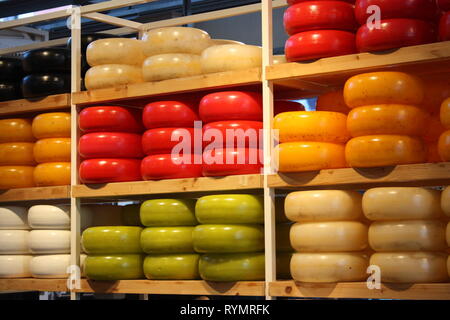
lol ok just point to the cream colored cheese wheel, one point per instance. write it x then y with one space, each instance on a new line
407 235
229 57
52 266
115 51
323 205
329 267
13 218
403 203
49 217
112 75
337 236
445 201
15 266
411 267
171 66
49 241
14 242
279 59
175 40
216 42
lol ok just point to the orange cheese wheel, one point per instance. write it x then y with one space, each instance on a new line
444 146
52 174
445 113
16 177
52 150
433 129
171 66
115 51
320 126
445 202
383 88
16 153
15 130
310 156
332 101
52 125
112 75
433 152
437 89
384 150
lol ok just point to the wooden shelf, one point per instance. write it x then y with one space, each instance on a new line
32 284
37 193
49 103
359 290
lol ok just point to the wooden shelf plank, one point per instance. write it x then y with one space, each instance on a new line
359 290
32 284
38 193
54 102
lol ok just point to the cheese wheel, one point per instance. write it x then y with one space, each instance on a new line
112 75
223 238
15 130
283 242
228 57
383 88
329 267
171 166
13 218
114 267
115 51
112 240
445 113
110 170
110 118
167 240
401 203
164 140
52 174
216 42
16 153
16 177
52 266
310 156
110 145
51 125
49 241
414 235
384 150
337 236
168 212
14 266
234 134
231 161
232 267
279 59
411 267
332 101
166 114
444 146
14 242
52 150
170 66
323 205
49 217
175 40
445 201
172 266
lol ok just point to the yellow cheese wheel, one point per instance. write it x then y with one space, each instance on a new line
384 150
52 174
445 201
320 126
310 156
15 130
411 267
332 101
329 267
12 177
445 113
115 51
216 42
171 66
383 88
16 153
323 205
444 146
15 266
112 75
336 236
52 125
228 57
279 59
52 150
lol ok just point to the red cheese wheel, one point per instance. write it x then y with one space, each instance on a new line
444 5
444 27
292 2
110 118
280 106
318 44
167 166
165 114
237 134
163 140
110 145
242 161
110 170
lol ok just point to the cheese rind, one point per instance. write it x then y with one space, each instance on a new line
15 130
52 174
50 266
167 240
49 241
13 218
17 154
16 177
229 57
52 150
114 267
51 125
112 240
171 266
232 267
54 217
14 242
112 75
115 51
15 266
168 212
170 66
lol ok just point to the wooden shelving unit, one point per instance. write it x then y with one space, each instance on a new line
45 104
37 193
32 284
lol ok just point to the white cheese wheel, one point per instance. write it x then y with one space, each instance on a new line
229 57
407 235
49 241
112 75
115 51
14 242
323 205
175 40
15 266
404 203
411 267
338 236
329 267
171 66
279 59
445 201
216 42
13 218
49 217
52 266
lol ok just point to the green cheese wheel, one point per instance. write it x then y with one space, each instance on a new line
232 267
131 215
167 240
172 266
114 267
112 240
168 212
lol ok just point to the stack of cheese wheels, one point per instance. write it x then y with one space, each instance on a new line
445 205
173 52
16 154
168 239
332 101
329 236
311 140
403 23
52 150
11 74
114 62
113 253
408 234
14 250
110 145
319 29
229 57
169 141
386 122
230 237
444 140
231 134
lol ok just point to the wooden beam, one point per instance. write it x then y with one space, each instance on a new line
38 193
38 18
110 5
115 21
53 102
32 284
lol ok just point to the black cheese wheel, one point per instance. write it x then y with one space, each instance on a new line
10 69
46 60
38 85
